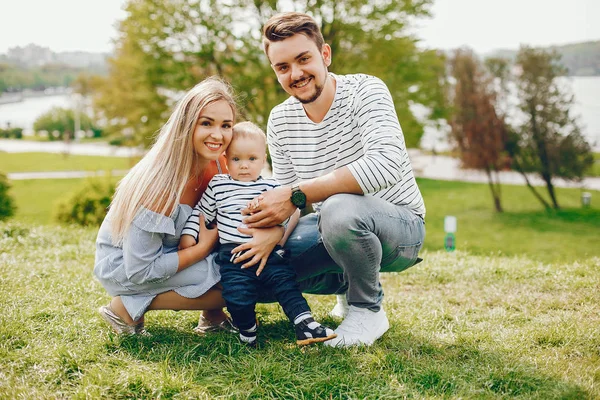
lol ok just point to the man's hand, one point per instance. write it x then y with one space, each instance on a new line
269 209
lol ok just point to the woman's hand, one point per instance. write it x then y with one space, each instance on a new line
205 235
258 249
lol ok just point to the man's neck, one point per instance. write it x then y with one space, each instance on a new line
318 109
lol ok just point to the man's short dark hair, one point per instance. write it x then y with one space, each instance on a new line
282 26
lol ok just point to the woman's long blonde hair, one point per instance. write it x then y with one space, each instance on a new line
158 180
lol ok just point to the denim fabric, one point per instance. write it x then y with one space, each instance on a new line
241 287
357 236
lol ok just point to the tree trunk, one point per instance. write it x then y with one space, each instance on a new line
544 160
495 189
551 192
498 197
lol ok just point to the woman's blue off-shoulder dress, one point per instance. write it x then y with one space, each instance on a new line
146 264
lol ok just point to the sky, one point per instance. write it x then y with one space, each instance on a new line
486 25
61 25
483 25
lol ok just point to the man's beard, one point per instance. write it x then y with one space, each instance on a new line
315 96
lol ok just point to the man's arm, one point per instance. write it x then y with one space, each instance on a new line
275 206
339 181
384 159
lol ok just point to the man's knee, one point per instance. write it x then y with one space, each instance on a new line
339 213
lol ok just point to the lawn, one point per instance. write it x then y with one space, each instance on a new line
513 313
572 233
462 326
35 198
525 228
34 162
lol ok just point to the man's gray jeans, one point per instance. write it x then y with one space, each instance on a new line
353 238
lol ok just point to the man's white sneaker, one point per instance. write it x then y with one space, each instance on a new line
361 327
341 307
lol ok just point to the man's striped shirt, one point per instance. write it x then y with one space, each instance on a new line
223 200
360 131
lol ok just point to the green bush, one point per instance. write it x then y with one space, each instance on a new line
7 204
117 141
86 206
62 120
16 133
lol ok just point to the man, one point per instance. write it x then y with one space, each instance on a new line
337 143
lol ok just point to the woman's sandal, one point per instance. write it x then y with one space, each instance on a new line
120 326
205 326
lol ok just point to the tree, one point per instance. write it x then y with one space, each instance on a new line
166 47
62 120
548 141
86 84
477 129
500 69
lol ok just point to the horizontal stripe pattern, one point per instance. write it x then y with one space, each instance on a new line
223 200
360 131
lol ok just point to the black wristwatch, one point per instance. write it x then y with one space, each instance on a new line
298 197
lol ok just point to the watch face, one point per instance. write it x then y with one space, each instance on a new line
298 199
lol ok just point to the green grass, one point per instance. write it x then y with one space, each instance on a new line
34 162
462 326
524 228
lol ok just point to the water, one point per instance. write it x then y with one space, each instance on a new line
23 114
585 89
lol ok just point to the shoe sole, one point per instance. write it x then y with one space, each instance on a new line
306 342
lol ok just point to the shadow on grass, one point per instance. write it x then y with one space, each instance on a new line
401 364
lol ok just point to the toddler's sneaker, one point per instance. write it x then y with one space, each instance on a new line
309 331
361 327
248 336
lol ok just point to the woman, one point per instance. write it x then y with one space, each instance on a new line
137 256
